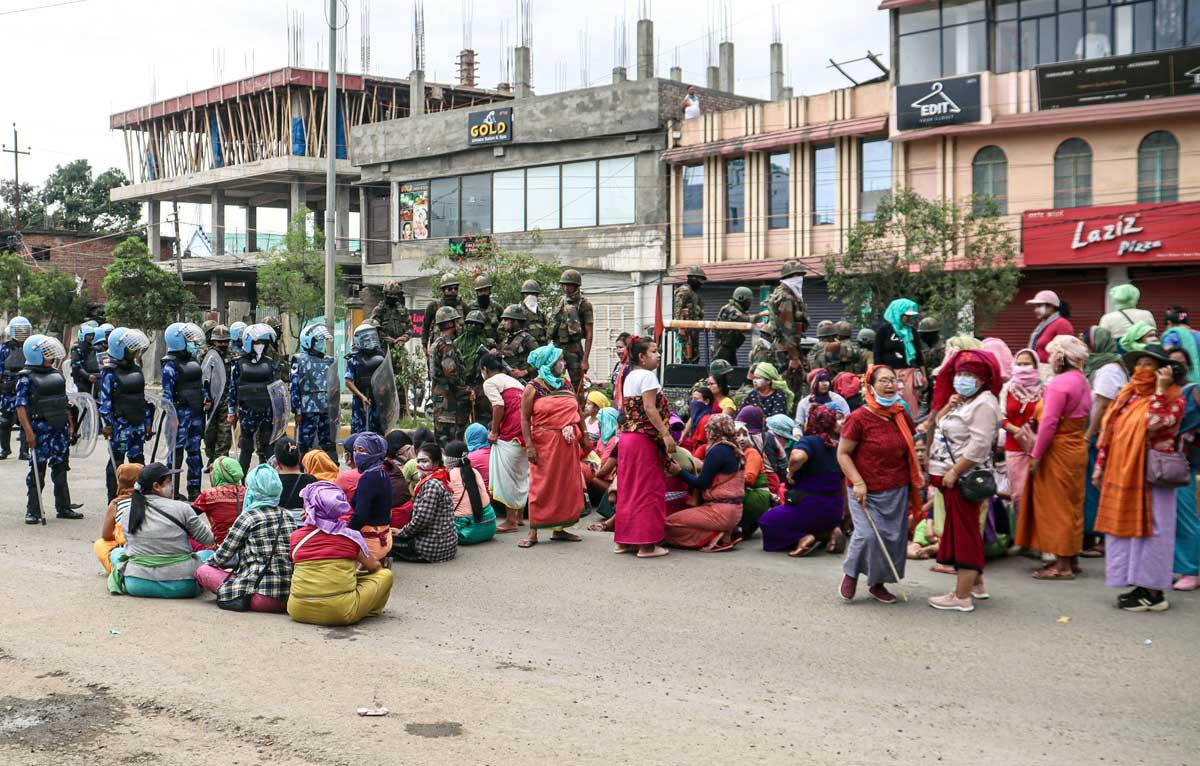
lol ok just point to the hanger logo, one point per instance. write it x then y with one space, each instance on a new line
936 103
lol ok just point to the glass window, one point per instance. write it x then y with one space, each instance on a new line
1006 9
443 207
1168 23
617 190
875 176
1046 47
920 59
1036 7
1143 27
1193 23
918 19
579 194
989 175
508 201
1007 47
693 200
1073 174
964 49
542 200
735 196
477 204
1158 168
778 186
1096 42
1070 29
824 184
962 11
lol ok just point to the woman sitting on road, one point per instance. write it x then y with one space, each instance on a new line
429 537
320 466
474 518
252 570
709 527
373 498
822 383
111 535
223 501
770 393
328 587
479 450
291 478
812 503
157 560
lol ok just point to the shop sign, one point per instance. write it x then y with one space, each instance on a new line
1139 77
1116 234
473 246
493 126
948 101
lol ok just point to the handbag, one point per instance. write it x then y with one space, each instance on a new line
1167 469
975 485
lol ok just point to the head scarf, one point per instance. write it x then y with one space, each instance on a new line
820 375
895 317
895 413
599 399
1003 354
822 421
319 465
1124 297
769 371
781 425
847 384
369 451
543 360
697 409
1132 339
263 488
325 508
608 424
1104 351
1026 383
411 474
127 476
752 417
399 446
467 344
1182 337
226 471
721 430
977 362
476 437
1068 348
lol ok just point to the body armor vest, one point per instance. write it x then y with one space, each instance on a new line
129 394
12 368
48 401
253 379
367 365
189 382
312 380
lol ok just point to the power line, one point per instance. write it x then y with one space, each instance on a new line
41 7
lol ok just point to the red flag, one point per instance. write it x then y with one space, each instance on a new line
658 318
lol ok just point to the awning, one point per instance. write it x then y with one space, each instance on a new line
824 131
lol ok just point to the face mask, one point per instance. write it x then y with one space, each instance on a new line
531 302
484 300
965 385
193 349
259 348
560 368
760 382
885 401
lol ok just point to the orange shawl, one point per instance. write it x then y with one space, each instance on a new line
895 413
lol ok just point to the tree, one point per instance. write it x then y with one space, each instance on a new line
53 300
33 211
79 202
140 293
507 269
958 263
14 276
293 278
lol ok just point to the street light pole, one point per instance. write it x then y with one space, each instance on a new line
331 169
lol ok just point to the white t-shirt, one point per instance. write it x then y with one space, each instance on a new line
495 386
693 107
639 381
1109 380
1118 322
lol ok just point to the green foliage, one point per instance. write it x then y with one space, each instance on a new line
14 274
77 201
52 300
943 255
140 293
411 373
293 278
33 211
508 271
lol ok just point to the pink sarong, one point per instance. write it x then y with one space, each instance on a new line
641 492
1017 463
556 481
698 527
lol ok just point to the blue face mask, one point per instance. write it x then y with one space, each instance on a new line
965 385
886 401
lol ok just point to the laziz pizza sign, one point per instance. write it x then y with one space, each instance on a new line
1114 234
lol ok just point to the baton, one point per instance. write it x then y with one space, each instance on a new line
887 556
37 482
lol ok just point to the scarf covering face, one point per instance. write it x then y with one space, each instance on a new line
1132 339
369 451
821 422
1104 351
543 359
781 425
820 376
599 399
608 424
1026 383
476 437
895 413
769 371
319 465
1067 348
1003 354
721 430
263 488
325 508
1182 337
1124 297
226 471
795 284
895 317
977 362
467 344
411 474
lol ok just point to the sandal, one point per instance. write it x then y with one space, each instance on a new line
722 547
1092 553
799 553
527 543
1053 573
503 530
624 549
565 537
595 527
658 551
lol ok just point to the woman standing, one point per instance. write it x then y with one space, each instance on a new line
553 431
812 503
1187 526
1019 402
430 535
709 527
645 443
1137 517
878 456
508 466
966 417
1052 316
1051 518
1107 376
771 393
896 347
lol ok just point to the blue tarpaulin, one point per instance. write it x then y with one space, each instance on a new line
214 127
299 145
341 133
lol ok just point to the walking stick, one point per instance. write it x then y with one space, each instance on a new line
879 538
37 482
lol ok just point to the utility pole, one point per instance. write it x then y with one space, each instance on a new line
331 170
16 152
178 249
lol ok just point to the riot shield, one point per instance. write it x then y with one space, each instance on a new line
87 423
66 372
213 374
165 428
333 386
384 397
281 409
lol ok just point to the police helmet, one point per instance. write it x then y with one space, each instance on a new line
176 340
235 332
19 328
85 329
314 337
43 351
126 343
257 333
366 336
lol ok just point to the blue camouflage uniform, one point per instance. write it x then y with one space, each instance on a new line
310 400
79 373
8 388
128 438
188 398
359 369
51 441
255 420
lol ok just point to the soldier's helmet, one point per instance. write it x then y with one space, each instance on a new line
767 330
476 317
743 296
697 272
514 311
866 336
929 324
531 287
220 332
446 314
394 289
448 280
274 323
825 330
793 269
842 329
571 277
719 367
483 282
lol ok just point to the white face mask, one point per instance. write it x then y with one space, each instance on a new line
531 302
259 348
760 382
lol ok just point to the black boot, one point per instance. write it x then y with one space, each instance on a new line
32 516
64 509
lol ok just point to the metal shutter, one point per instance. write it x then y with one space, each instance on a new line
1083 289
1164 288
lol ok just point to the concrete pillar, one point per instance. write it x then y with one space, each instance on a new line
645 49
154 228
677 74
1115 275
217 202
296 199
523 63
416 93
786 95
216 296
393 213
343 218
776 71
727 79
619 74
712 79
251 229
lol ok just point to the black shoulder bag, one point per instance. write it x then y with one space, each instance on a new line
975 485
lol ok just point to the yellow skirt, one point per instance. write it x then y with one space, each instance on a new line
332 592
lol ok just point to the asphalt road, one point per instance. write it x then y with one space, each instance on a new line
566 653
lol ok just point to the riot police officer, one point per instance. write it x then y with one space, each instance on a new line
486 306
249 400
183 386
127 416
12 357
446 378
572 327
689 306
361 364
92 366
235 339
516 342
535 318
218 436
310 391
449 289
734 310
42 409
80 350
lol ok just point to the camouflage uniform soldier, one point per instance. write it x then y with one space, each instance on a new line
572 326
449 287
786 311
42 409
825 335
283 365
471 344
933 350
853 357
689 306
535 319
735 310
446 373
763 350
485 306
866 341
392 318
218 436
516 342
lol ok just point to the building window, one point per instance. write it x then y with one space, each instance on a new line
543 200
735 196
40 252
942 41
444 207
616 191
824 184
874 176
579 194
989 177
1158 168
477 204
1073 174
778 187
693 200
508 201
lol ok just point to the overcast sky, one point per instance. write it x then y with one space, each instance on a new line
71 66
